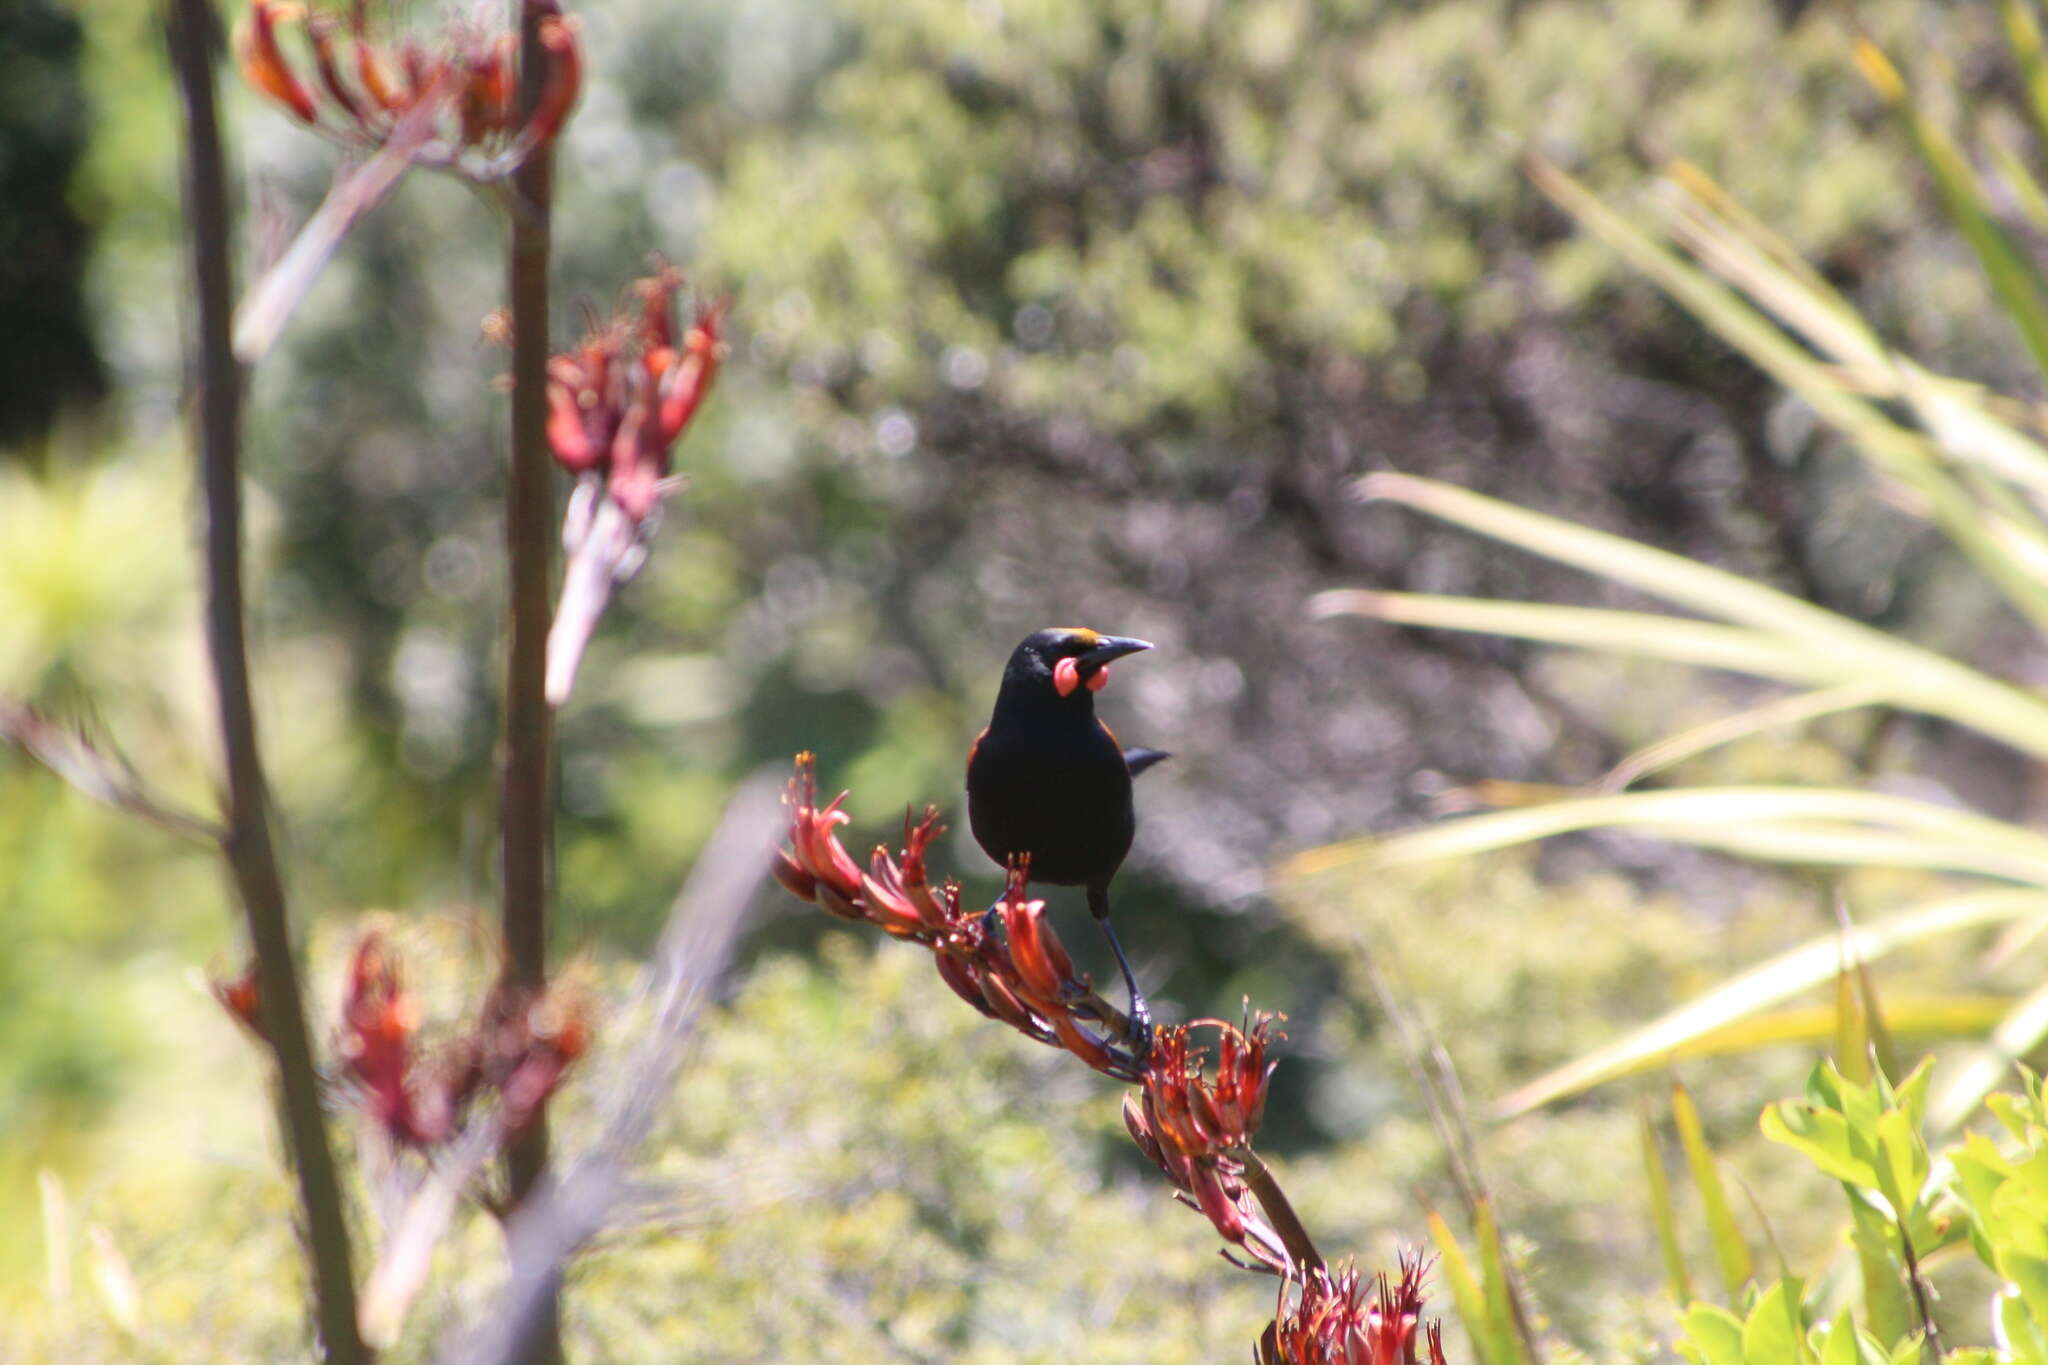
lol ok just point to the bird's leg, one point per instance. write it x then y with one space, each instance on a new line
1141 1013
992 924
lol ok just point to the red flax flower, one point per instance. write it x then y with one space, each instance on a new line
523 1044
1196 1124
1342 1319
378 1020
1199 1130
242 998
1008 963
617 405
454 104
519 1049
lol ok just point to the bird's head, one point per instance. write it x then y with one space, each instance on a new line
1066 661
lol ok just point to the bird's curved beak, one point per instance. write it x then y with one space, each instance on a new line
1110 647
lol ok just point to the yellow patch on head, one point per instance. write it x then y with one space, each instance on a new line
1080 634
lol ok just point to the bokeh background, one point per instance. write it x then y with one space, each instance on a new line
1044 312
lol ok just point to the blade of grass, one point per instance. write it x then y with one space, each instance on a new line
1492 1347
1731 1253
1877 1029
1903 455
2013 277
2011 942
1663 1213
1763 1222
1837 846
1921 679
1502 1312
2027 191
2017 1034
1795 824
1676 639
1708 194
2023 35
1852 1039
1782 713
1724 237
1731 244
1797 969
1963 421
1934 1018
1724 246
1678 580
1937 1018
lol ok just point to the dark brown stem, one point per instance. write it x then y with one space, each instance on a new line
246 842
1301 1249
524 805
1919 1290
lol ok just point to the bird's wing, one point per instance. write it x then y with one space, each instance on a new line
1138 758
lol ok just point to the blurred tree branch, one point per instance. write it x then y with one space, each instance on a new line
252 859
524 813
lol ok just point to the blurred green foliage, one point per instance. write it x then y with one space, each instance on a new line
859 1166
1044 311
1907 1207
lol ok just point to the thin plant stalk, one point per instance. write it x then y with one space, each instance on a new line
1301 1248
246 841
525 825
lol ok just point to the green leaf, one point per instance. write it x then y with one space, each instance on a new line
1715 1332
1886 1301
1663 1213
1731 1253
1774 1333
1911 1093
1842 1342
1970 1355
1823 1136
2022 1330
2029 1273
1902 1162
1838 1342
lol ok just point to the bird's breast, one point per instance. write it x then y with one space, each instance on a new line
1062 795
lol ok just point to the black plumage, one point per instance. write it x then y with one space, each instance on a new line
1047 778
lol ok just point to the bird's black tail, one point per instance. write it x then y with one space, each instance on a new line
1138 759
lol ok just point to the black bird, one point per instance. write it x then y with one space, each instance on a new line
1048 779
